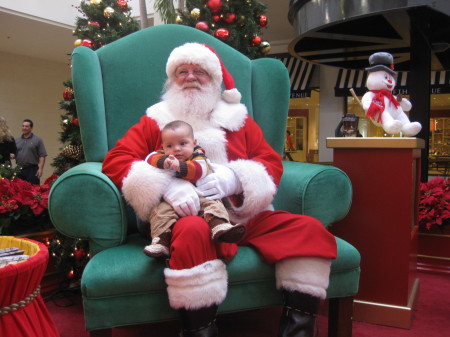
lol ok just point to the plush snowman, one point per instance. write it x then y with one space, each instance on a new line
380 105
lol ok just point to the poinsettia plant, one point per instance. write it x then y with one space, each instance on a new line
434 203
23 204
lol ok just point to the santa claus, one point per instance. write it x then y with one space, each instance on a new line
246 174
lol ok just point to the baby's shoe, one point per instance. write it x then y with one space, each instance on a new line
159 246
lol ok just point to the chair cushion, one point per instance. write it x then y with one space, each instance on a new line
124 277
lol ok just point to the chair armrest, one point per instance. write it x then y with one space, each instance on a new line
84 203
323 192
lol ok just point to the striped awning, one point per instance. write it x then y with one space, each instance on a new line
300 74
356 79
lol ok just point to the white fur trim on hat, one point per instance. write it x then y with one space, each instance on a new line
309 275
198 287
232 96
194 53
204 56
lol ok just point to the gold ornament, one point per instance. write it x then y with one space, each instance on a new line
195 13
95 2
108 12
77 42
265 47
242 21
178 19
73 151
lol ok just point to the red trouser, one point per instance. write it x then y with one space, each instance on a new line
276 235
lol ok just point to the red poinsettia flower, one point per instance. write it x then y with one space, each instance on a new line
39 201
434 202
17 193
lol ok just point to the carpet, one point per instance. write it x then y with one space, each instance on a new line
431 318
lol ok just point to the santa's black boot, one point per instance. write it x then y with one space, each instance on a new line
199 323
299 315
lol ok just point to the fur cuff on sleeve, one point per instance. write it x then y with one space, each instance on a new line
258 188
198 287
143 187
309 275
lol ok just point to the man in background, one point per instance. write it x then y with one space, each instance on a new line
31 154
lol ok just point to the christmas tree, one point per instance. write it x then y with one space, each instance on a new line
102 22
237 23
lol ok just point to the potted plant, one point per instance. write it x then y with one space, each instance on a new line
434 218
23 206
434 203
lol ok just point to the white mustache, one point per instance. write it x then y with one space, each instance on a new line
191 85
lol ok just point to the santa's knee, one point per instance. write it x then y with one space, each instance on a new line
190 227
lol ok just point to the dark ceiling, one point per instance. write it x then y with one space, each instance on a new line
349 43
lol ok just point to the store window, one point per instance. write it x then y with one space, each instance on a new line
303 125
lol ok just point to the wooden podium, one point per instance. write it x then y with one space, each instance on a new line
382 223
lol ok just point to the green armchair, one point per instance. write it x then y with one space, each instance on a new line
120 285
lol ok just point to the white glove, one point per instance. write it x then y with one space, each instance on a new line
182 196
221 183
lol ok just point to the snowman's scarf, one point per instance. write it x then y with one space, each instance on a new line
377 105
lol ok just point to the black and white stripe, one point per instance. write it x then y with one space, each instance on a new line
356 79
300 74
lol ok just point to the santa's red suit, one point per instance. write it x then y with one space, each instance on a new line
248 174
197 277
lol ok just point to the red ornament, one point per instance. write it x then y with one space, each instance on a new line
216 18
256 41
94 23
123 5
71 274
222 33
229 18
68 94
202 25
263 20
76 122
214 5
79 253
87 43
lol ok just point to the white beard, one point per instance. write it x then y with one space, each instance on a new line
193 106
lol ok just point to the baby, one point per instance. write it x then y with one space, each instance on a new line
181 154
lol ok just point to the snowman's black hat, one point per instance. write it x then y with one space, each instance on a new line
381 61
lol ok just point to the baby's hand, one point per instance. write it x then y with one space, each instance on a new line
172 163
167 163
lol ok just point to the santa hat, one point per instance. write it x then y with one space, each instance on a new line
204 56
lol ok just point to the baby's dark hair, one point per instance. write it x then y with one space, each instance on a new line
178 124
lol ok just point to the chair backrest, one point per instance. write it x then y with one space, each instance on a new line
115 84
